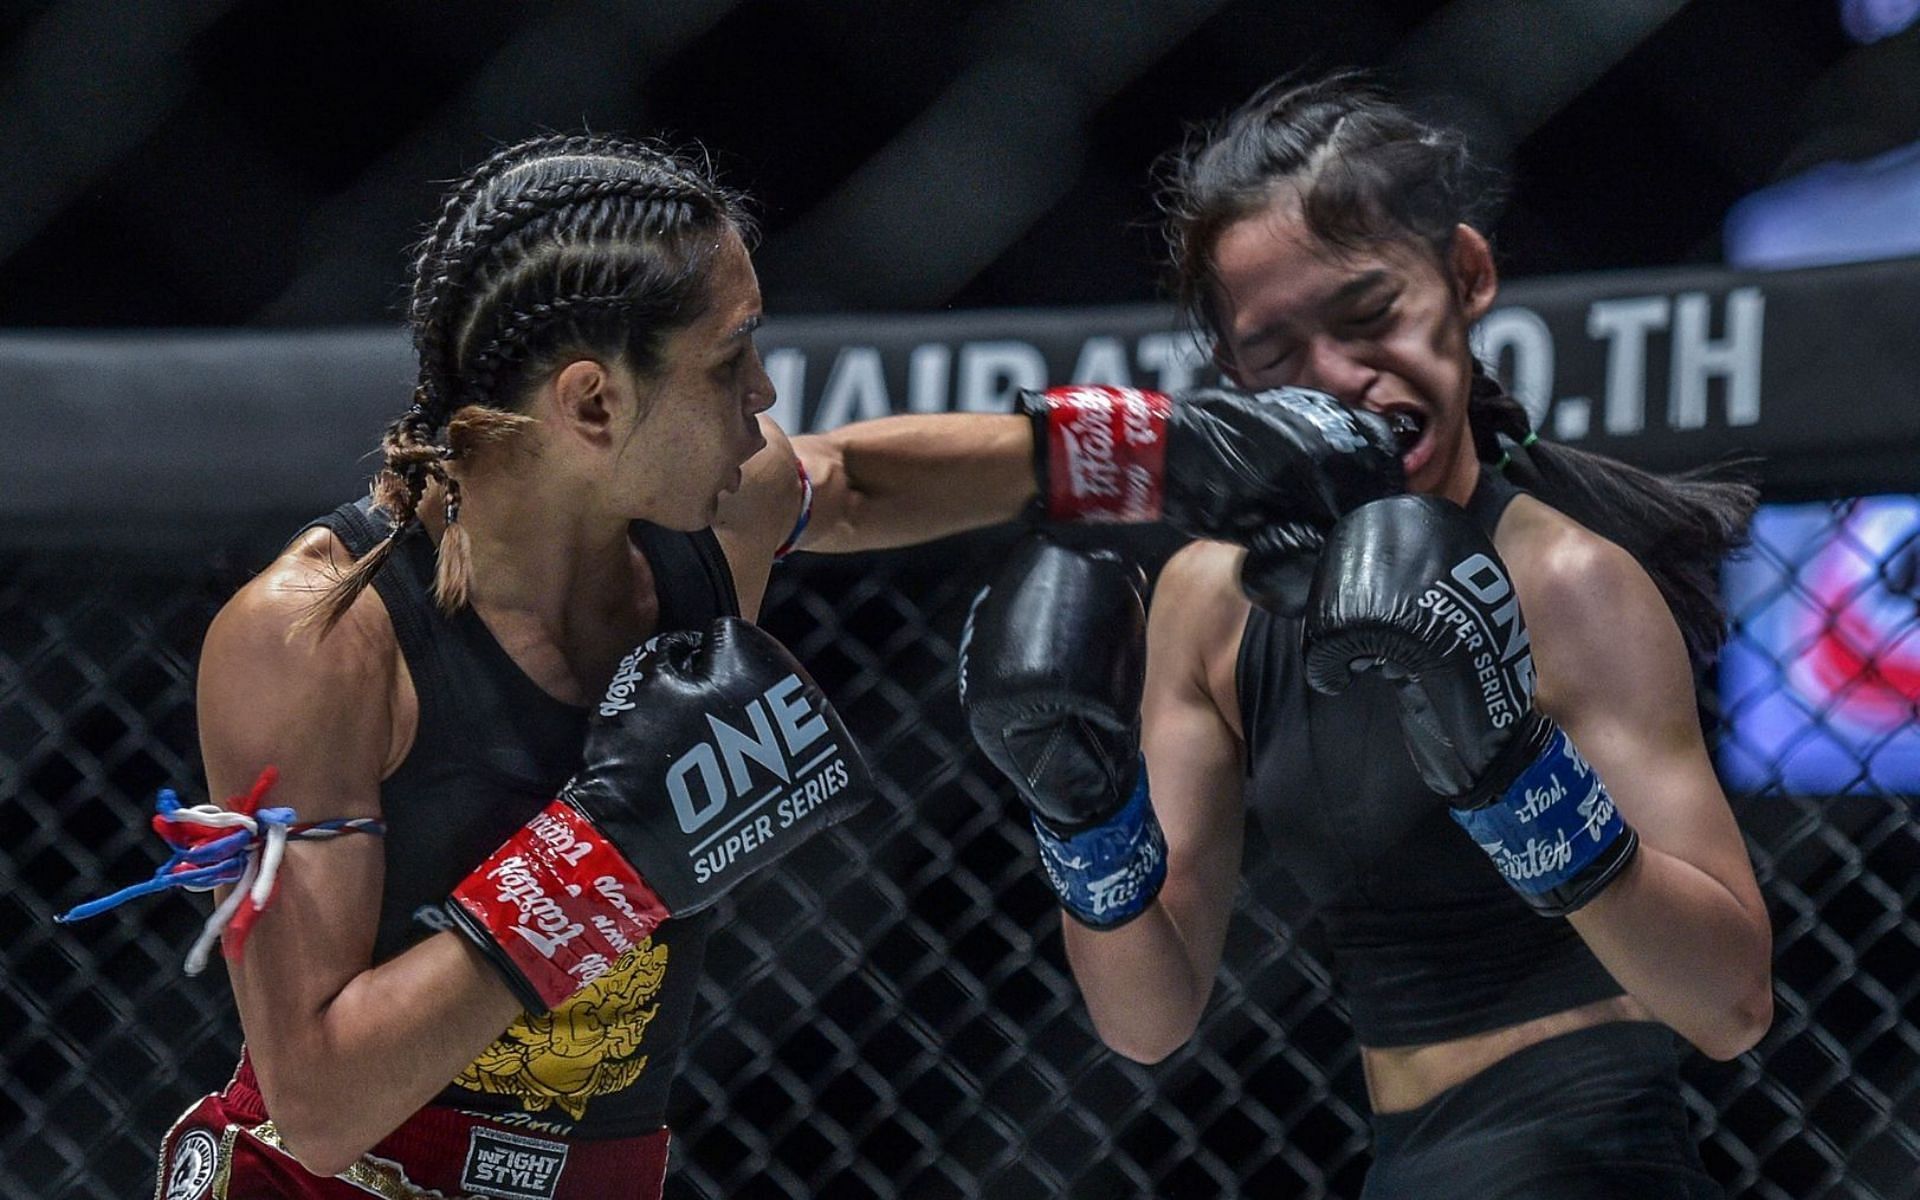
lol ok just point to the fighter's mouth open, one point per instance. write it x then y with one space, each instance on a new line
1406 428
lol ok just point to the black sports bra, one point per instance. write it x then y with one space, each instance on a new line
1427 941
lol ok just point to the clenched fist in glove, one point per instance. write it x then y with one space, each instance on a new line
1412 588
711 757
1268 470
1051 669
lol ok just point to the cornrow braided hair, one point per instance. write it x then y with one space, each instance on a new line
427 335
559 247
506 346
1368 171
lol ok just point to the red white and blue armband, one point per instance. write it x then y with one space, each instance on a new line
806 512
241 844
1555 834
1108 874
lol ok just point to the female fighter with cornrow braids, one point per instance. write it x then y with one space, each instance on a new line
519 654
529 656
1468 728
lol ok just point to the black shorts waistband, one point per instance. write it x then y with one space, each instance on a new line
1593 1113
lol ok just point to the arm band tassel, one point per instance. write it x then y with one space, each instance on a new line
243 844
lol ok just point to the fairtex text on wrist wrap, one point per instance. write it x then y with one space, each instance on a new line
561 904
1555 834
1108 874
1099 452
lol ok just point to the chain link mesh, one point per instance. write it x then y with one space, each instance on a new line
890 1014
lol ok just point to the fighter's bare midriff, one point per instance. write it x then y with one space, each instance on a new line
1400 1078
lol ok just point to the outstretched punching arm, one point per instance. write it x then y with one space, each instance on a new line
1212 462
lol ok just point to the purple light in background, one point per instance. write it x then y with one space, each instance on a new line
1870 20
1837 212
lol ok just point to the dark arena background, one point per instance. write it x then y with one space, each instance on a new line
204 206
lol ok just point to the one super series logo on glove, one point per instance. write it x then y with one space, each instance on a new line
1479 604
716 794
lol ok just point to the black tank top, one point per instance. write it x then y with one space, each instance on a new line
1427 941
492 749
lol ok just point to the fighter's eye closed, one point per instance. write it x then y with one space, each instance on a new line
1372 317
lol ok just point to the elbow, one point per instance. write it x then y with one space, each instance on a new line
322 1165
1753 1018
320 1146
1741 1027
1750 1015
1148 1045
1145 1051
314 1129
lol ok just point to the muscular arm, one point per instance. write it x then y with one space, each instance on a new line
345 1051
1147 982
1683 929
876 484
899 480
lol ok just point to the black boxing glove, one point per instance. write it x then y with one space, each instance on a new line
1410 587
1278 567
1213 462
1052 664
711 757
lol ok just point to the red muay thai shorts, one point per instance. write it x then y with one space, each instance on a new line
226 1148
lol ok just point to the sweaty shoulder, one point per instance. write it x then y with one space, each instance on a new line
271 692
1198 616
1588 603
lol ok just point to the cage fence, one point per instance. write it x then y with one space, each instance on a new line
889 1014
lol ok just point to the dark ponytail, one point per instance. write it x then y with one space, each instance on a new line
1679 527
1367 172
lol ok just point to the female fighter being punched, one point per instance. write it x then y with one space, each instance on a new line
1468 727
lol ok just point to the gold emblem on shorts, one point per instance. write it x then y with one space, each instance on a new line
587 1047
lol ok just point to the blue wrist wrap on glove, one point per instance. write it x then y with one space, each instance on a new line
1553 821
1107 875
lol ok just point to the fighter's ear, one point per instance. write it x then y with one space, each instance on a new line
580 396
1471 272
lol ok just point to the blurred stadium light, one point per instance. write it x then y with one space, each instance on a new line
239 161
552 70
65 126
996 150
1515 63
1838 212
1871 20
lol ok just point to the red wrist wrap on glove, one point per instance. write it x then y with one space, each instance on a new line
561 902
1106 451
